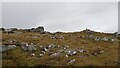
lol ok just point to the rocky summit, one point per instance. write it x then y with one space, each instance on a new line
36 47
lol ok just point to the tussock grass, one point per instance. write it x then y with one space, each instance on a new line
17 57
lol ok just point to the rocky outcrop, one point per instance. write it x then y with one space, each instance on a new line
38 29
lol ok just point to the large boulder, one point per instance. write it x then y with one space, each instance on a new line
40 29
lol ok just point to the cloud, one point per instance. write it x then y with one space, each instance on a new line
62 16
59 0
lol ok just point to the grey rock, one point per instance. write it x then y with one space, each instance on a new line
44 48
100 52
71 52
97 39
5 48
80 50
29 48
52 46
55 54
41 55
105 39
11 46
66 55
39 29
112 40
71 61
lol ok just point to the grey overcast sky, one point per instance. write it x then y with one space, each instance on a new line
61 16
59 0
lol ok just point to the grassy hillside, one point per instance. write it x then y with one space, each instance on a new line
107 55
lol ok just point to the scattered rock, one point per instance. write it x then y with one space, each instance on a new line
44 48
32 54
43 52
71 52
41 55
112 40
27 47
57 62
11 46
38 29
55 54
84 42
100 52
5 48
71 61
97 39
105 39
53 46
8 31
94 54
66 55
31 47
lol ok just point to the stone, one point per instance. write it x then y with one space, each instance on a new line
82 36
97 39
32 54
8 31
71 61
64 48
100 52
84 42
55 54
43 52
29 48
45 48
52 37
33 29
34 37
97 51
5 48
71 52
57 62
105 39
66 55
25 47
41 55
61 37
38 29
94 54
52 46
112 40
90 36
80 50
11 46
